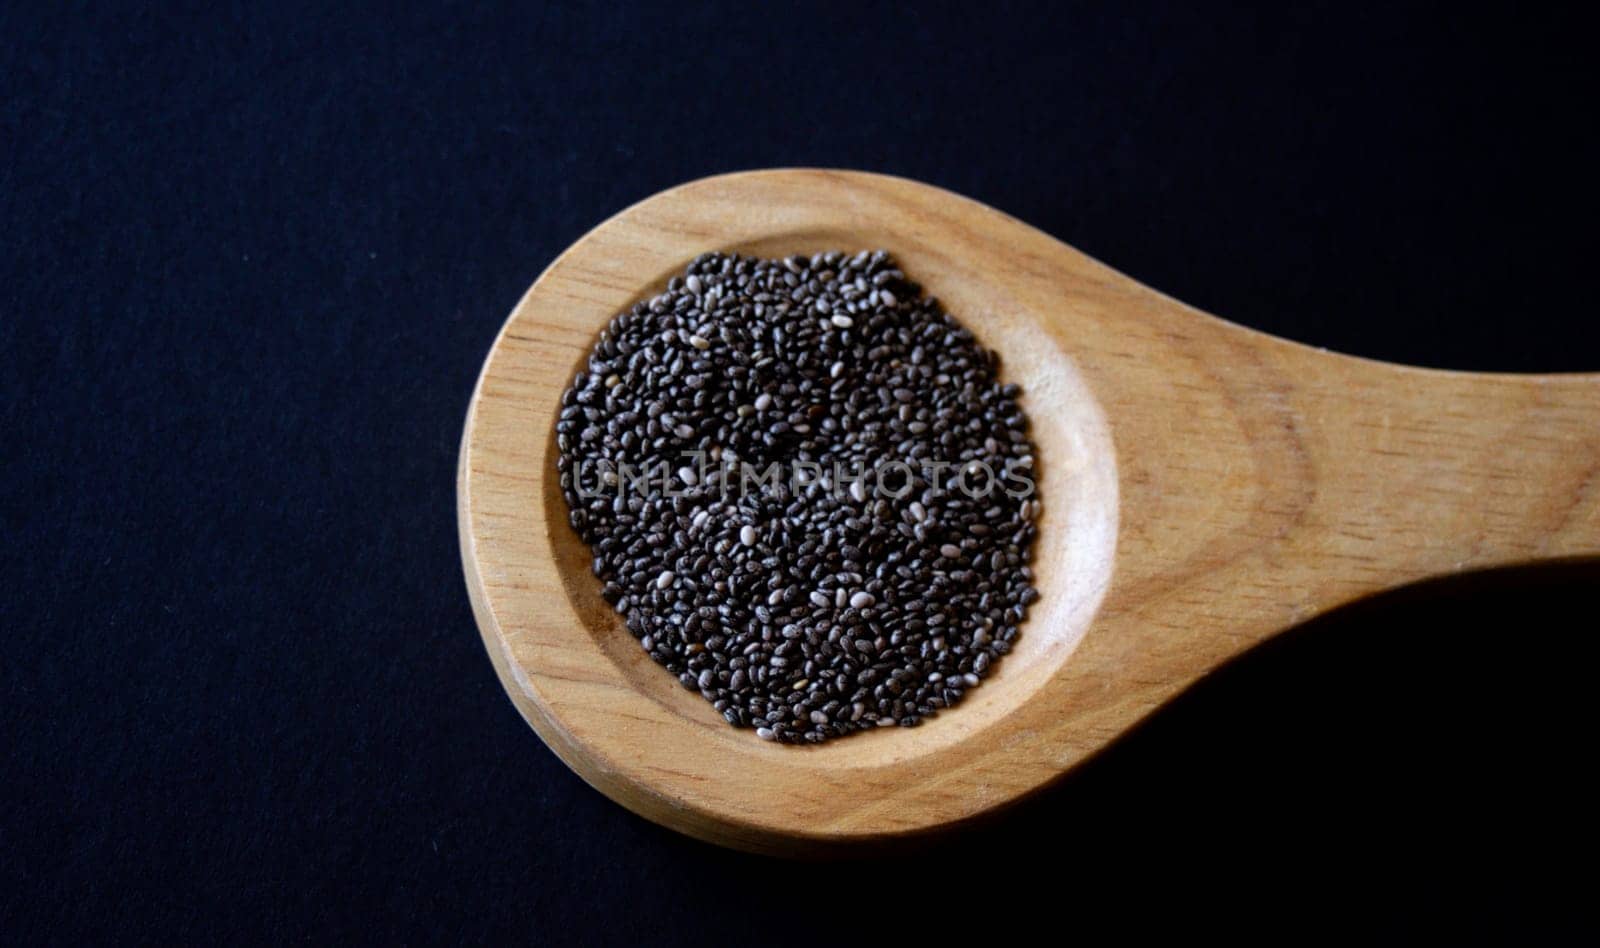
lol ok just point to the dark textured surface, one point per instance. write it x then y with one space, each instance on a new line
814 613
251 261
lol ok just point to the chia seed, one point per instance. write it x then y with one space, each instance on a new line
810 608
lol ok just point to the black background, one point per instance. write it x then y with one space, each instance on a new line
252 259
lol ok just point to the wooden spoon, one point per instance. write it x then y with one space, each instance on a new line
1205 487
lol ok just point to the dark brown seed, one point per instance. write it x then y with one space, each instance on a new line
857 608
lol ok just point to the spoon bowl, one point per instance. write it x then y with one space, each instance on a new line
1204 487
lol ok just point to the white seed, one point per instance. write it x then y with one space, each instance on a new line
763 402
747 535
843 321
699 342
665 579
858 493
613 380
862 600
918 512
688 476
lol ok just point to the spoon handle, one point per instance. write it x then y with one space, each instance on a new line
1314 480
1330 478
1427 472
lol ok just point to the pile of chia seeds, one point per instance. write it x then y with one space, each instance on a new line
806 491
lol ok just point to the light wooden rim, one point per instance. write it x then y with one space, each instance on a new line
622 722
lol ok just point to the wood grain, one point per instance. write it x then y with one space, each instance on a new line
1205 487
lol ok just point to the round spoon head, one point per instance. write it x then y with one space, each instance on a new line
1161 552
